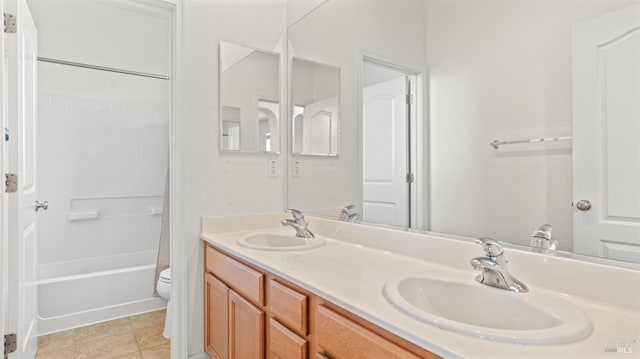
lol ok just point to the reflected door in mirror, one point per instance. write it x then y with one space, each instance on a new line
316 108
385 189
607 135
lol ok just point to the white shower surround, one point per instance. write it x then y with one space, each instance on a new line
104 174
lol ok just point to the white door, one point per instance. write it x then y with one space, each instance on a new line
384 167
4 234
22 161
320 127
606 121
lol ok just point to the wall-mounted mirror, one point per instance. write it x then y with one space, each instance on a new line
498 70
249 99
315 99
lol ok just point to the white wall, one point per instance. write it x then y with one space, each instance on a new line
221 183
501 69
106 33
334 34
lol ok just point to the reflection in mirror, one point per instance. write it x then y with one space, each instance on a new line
389 130
249 99
503 70
267 123
315 92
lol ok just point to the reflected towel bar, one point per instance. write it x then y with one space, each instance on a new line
496 144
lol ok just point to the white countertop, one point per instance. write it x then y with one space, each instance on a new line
352 275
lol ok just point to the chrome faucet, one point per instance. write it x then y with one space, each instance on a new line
298 223
541 238
493 267
348 215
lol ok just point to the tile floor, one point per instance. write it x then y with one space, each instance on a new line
137 337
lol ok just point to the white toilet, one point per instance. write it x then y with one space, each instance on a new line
164 290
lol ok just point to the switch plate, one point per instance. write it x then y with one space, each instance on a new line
297 169
273 168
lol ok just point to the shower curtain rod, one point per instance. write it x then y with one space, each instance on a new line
102 68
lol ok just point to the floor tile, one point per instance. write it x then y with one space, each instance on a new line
134 355
151 319
56 354
101 330
135 337
57 342
106 347
159 352
151 336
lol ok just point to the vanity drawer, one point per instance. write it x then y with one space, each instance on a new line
342 338
285 344
289 306
240 277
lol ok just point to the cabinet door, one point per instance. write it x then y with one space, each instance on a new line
246 329
216 311
285 344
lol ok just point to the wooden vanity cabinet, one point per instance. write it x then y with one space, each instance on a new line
234 317
216 318
234 328
251 314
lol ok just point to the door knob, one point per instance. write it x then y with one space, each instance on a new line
42 205
583 205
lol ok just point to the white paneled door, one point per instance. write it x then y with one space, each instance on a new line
4 237
22 239
385 190
606 121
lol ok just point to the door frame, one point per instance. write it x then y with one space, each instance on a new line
177 178
419 152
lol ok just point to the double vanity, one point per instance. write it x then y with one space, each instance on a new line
278 288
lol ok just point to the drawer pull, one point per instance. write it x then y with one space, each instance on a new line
322 356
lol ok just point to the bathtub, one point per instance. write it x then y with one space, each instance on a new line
81 292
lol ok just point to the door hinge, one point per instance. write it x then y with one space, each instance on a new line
10 23
409 177
409 99
10 344
11 182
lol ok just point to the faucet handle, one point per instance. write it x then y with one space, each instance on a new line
297 214
491 247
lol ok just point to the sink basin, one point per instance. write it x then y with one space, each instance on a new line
486 312
280 242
